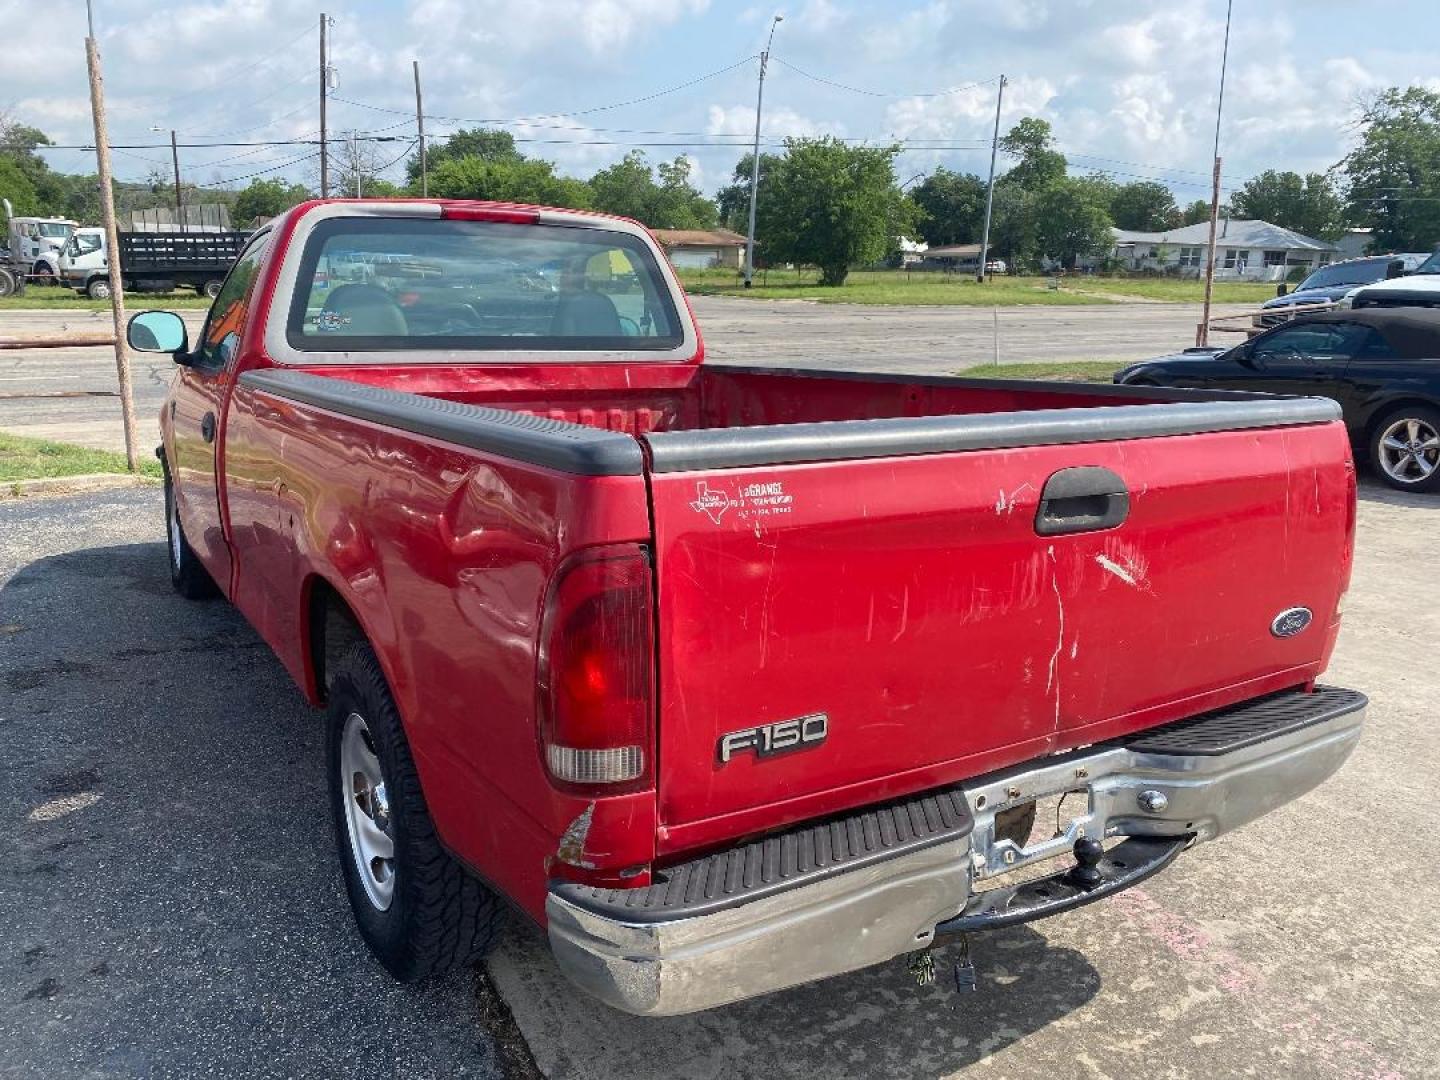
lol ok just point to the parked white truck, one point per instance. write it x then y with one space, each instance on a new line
32 250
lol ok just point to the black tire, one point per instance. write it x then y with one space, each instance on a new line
98 289
1417 427
187 574
44 274
211 288
7 283
438 916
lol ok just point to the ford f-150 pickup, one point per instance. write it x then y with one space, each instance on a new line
732 677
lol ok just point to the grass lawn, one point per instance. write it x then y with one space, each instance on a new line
1174 290
929 288
1050 370
23 458
883 287
54 296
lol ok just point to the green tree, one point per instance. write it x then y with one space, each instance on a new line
1038 164
1195 212
16 186
529 180
1145 206
267 199
1070 221
1393 176
952 207
733 200
679 204
1308 204
488 144
831 205
1013 229
629 188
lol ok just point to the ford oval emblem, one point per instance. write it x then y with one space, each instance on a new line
1291 621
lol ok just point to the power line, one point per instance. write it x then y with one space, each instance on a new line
881 94
260 172
556 115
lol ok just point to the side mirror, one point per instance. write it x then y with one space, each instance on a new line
158 332
1394 269
1282 289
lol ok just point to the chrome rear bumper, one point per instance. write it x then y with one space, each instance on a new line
662 957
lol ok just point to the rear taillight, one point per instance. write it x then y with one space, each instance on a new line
596 673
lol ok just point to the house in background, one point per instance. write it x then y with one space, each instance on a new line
1245 250
699 249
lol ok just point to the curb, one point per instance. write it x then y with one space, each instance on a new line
69 485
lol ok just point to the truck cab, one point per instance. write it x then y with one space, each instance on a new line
34 245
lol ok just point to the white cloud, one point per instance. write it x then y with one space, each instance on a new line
777 122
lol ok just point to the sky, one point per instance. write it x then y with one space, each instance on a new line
1129 86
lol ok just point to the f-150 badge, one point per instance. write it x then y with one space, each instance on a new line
781 737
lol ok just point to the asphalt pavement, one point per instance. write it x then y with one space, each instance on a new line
69 394
171 903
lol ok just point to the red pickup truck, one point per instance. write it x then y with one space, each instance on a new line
732 677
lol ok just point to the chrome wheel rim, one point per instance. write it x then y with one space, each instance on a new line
172 528
367 812
1410 450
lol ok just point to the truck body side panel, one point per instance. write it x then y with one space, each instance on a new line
444 554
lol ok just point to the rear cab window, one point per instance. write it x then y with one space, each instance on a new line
406 285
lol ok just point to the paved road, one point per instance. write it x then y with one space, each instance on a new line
934 340
170 905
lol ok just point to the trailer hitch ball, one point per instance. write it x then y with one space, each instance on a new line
1085 874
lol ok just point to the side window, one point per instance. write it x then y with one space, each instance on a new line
1367 343
1297 343
221 335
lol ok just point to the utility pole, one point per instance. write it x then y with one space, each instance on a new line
755 161
990 190
420 127
324 81
1202 332
112 239
179 203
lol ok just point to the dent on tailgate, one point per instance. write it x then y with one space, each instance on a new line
911 601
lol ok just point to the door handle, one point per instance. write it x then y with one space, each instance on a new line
207 427
1085 498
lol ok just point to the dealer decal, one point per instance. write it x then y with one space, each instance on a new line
750 502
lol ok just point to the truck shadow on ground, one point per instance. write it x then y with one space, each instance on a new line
875 1023
173 887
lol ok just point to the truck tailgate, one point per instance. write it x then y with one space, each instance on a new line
911 599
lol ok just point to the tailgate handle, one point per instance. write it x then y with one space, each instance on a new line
1082 499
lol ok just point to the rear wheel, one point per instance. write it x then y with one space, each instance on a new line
1405 448
420 912
98 289
44 274
7 283
211 288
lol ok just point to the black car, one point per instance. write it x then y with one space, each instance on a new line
1381 364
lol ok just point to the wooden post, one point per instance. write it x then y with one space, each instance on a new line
420 127
990 187
179 204
324 90
1202 332
112 243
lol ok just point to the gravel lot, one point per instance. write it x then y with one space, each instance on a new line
171 906
933 340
